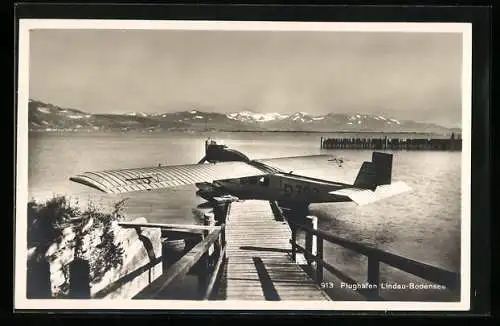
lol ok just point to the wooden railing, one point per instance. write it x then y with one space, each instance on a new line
375 257
205 259
207 266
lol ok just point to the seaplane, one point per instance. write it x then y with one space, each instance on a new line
224 172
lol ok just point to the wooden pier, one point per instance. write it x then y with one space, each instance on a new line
385 143
259 264
260 252
250 250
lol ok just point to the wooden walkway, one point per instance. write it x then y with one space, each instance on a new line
259 265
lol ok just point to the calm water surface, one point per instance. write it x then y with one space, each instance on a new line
423 225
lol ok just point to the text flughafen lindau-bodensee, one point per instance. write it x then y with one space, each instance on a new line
384 286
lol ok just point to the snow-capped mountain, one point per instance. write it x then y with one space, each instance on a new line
248 116
331 121
43 116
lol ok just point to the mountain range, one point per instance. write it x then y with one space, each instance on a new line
48 117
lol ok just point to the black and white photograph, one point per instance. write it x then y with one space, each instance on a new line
243 165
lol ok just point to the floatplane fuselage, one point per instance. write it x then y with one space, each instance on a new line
277 187
231 173
372 183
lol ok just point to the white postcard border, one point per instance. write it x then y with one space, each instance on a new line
20 221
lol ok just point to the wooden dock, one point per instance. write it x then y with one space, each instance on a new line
259 264
251 253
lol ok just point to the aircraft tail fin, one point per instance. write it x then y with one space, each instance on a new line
375 173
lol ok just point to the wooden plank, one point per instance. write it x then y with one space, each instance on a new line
259 265
278 277
166 226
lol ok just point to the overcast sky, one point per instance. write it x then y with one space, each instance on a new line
406 75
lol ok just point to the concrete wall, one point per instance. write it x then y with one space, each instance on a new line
59 255
134 273
122 282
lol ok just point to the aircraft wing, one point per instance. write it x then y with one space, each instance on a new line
150 178
285 164
367 196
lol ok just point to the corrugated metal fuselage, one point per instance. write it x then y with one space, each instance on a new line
281 187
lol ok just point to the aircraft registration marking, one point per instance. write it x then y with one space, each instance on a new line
298 189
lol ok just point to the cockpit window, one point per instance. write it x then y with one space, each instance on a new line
264 181
253 180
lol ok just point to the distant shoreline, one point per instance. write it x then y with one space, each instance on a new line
339 132
245 131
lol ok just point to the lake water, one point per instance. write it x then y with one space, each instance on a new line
423 225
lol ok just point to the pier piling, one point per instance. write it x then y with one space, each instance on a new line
79 286
311 241
173 248
220 211
373 276
278 214
205 263
386 143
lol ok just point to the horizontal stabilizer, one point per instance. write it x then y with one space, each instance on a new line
366 196
295 163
